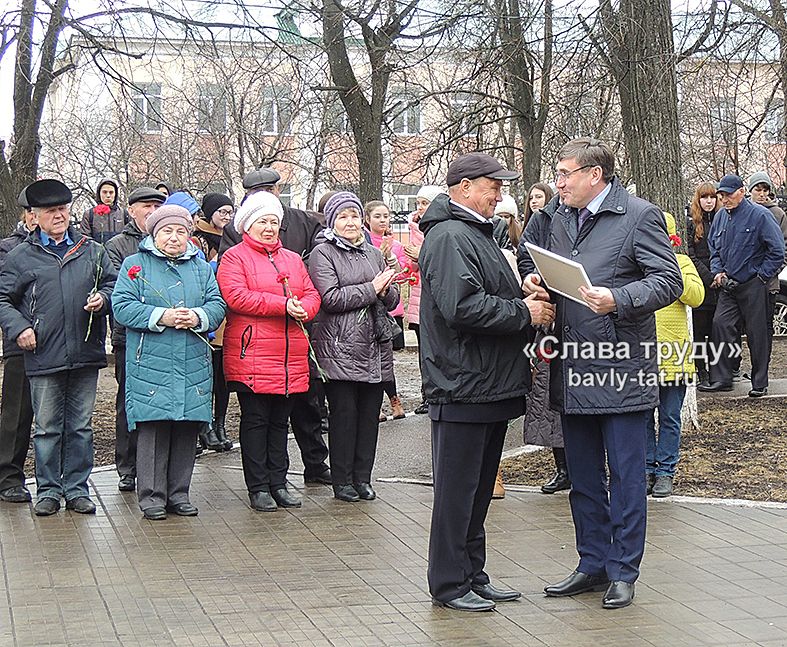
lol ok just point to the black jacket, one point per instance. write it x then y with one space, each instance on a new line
119 248
624 247
474 321
298 233
10 347
700 255
40 290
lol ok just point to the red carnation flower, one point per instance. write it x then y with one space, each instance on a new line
282 277
133 272
676 241
101 210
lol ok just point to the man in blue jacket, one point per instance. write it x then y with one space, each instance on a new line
746 252
54 296
606 400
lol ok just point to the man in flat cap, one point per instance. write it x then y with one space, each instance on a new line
298 233
16 411
141 203
474 322
54 297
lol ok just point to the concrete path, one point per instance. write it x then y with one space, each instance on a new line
352 575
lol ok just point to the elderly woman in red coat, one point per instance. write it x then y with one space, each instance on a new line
269 295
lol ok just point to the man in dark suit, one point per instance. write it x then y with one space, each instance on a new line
474 325
622 243
298 233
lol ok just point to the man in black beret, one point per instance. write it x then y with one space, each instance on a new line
54 297
16 411
141 203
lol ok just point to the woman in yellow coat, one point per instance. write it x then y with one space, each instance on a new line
675 369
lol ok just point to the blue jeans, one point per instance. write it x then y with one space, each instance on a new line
663 454
63 438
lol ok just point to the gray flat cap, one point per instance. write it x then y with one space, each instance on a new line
145 194
264 176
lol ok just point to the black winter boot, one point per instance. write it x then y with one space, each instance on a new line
560 480
208 438
221 434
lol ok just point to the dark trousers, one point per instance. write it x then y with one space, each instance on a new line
165 462
747 305
416 328
221 394
465 458
353 425
125 440
609 525
306 420
702 323
16 419
263 440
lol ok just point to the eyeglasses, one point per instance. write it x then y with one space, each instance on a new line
226 211
564 175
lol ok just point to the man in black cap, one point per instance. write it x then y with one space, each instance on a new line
107 218
54 296
474 326
141 203
16 411
298 233
746 252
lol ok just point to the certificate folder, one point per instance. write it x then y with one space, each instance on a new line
560 274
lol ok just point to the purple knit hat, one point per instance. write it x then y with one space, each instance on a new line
338 203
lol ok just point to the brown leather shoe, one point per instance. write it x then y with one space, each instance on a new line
500 491
396 408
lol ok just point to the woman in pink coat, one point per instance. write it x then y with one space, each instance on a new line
269 295
377 218
423 199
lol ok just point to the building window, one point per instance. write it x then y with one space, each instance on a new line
406 112
402 204
774 123
212 109
337 120
285 193
722 120
146 99
276 110
463 115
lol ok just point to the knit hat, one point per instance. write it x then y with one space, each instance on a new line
183 199
169 214
429 192
507 205
211 202
262 203
760 177
339 202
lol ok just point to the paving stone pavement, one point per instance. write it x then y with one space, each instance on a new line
333 574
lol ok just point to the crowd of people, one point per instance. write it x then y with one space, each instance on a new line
300 313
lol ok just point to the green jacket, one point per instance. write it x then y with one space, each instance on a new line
169 373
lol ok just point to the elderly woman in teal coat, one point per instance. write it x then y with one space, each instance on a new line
168 300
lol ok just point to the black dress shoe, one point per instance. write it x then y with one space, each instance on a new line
345 493
82 505
262 502
713 387
365 491
422 408
468 602
16 494
489 592
156 513
618 595
127 483
318 478
183 509
560 481
758 393
284 498
46 506
576 583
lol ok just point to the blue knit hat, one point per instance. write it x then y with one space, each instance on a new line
338 202
183 199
